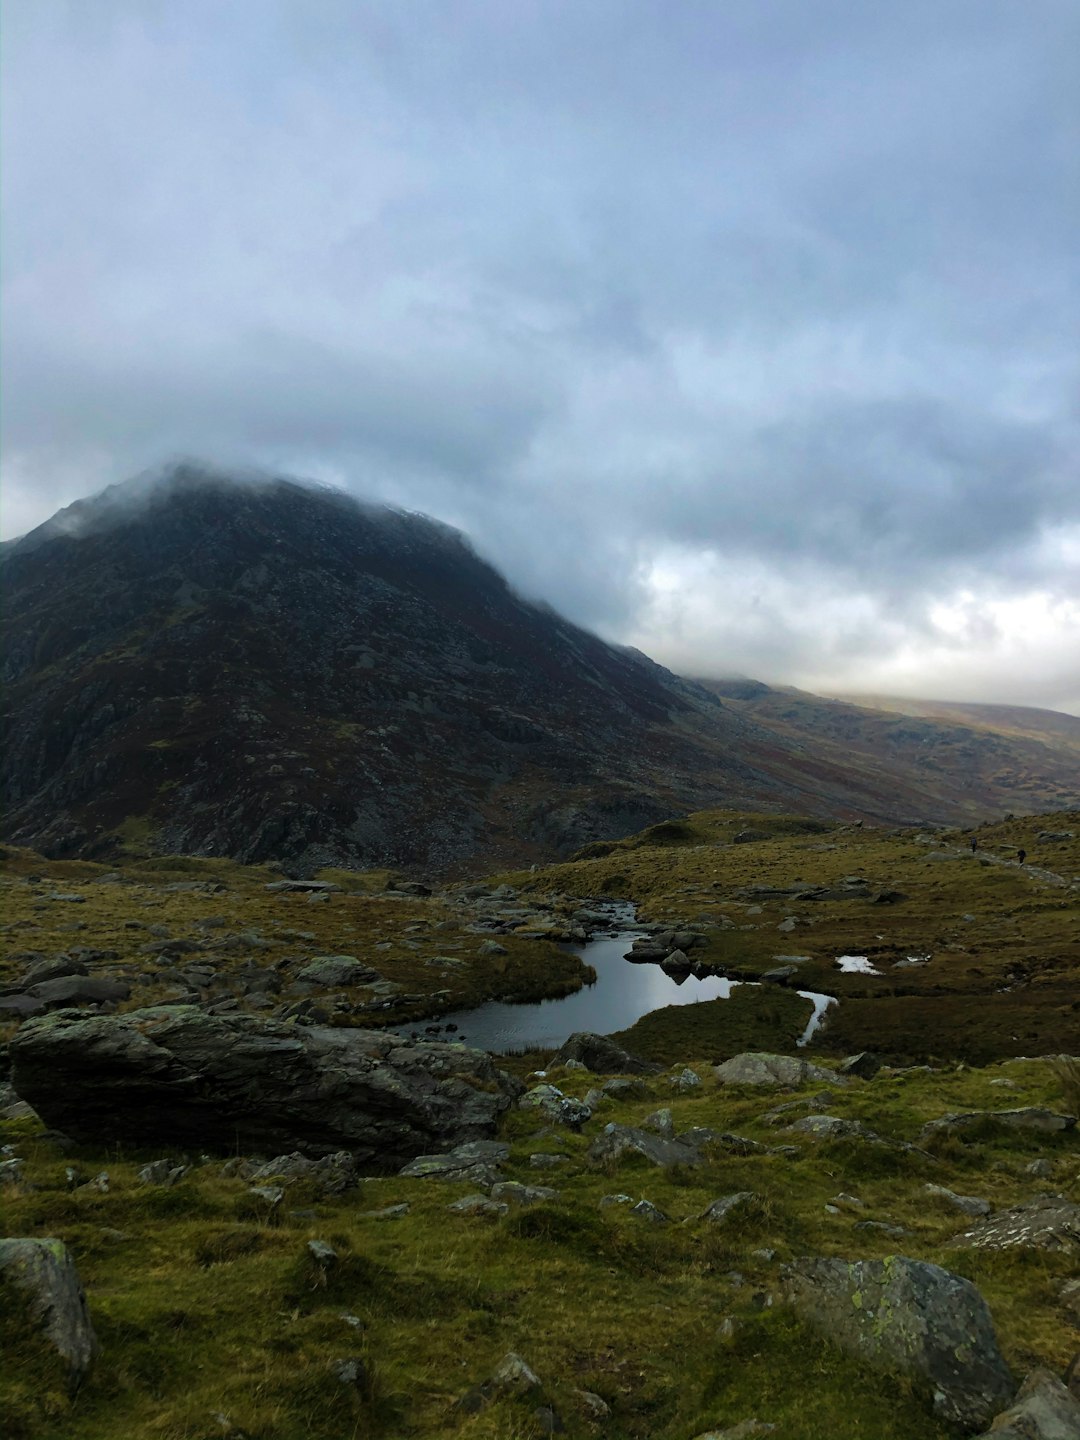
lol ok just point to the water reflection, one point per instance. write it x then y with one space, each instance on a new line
623 992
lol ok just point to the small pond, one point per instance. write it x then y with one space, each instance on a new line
623 993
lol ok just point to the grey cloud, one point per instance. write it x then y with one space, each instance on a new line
789 285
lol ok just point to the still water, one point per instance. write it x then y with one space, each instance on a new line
623 992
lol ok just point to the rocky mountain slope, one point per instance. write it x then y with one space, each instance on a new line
1001 757
266 670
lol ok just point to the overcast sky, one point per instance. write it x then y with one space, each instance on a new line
744 331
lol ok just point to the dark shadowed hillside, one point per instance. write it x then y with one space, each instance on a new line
267 670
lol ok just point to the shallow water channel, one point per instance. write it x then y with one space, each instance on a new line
623 992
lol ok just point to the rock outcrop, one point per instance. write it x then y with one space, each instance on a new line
43 1275
1043 1410
912 1318
758 1067
1049 1222
179 1076
601 1055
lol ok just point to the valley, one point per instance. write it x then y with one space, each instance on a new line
622 1257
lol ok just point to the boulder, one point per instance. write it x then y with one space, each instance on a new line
45 1275
1050 1222
617 1140
968 1204
176 1076
601 1055
650 1213
864 1065
513 1192
55 967
913 1319
1031 1117
1044 1409
833 1127
79 990
330 971
718 1210
550 1101
758 1067
476 1162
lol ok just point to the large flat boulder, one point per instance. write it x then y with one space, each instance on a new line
176 1075
1031 1117
913 1319
759 1067
1049 1222
614 1141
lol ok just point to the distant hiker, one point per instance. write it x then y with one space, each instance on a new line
974 844
1021 856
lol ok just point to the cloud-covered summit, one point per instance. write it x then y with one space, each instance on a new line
745 333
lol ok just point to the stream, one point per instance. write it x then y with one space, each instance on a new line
622 993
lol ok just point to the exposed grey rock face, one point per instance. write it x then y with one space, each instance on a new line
616 1140
758 1067
912 1318
55 967
331 970
554 1105
478 1205
512 1192
331 1173
968 1204
1032 1117
177 1075
477 1162
833 1127
78 990
718 1210
1048 1223
650 1213
1044 1410
601 1055
44 1272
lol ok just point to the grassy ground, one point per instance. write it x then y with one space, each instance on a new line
405 938
215 1322
1002 939
207 1306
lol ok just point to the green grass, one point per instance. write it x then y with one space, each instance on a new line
207 1304
203 1307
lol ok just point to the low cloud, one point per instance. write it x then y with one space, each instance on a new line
744 333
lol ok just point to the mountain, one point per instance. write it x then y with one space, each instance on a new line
995 757
265 669
1051 727
255 668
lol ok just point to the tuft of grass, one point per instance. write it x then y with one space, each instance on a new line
1066 1071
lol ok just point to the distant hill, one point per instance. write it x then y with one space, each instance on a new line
1000 757
266 670
1052 727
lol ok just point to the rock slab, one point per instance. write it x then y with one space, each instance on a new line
758 1067
176 1075
913 1318
44 1272
1044 1410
